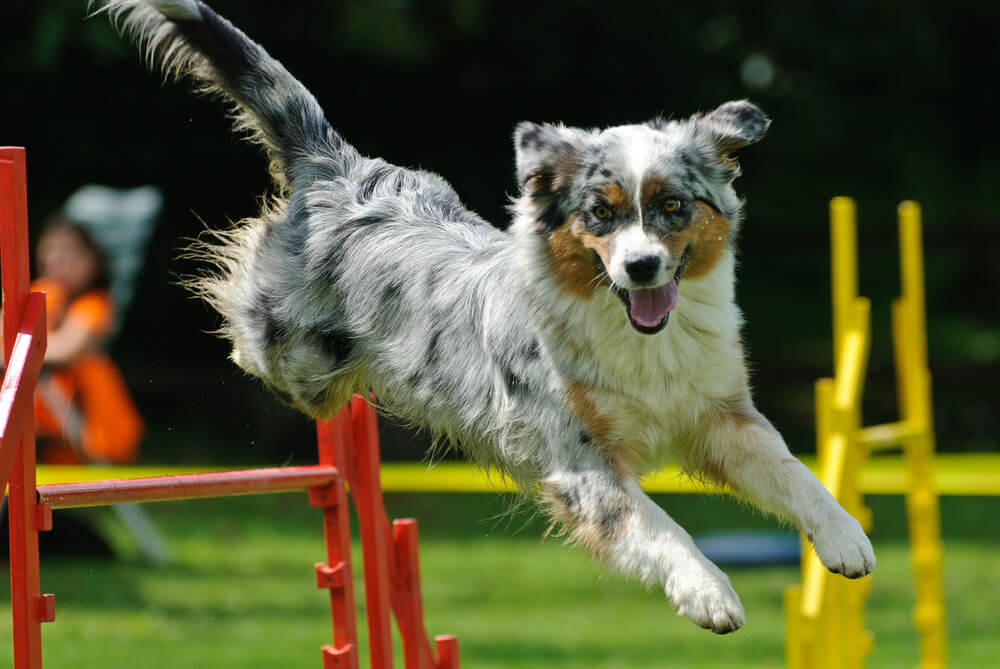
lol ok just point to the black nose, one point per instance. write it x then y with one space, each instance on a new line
644 269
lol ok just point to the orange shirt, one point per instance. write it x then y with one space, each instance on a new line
85 403
91 311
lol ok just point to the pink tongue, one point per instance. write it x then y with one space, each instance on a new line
649 306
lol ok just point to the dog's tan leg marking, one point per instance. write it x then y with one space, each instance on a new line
595 527
737 446
583 407
619 524
621 454
602 506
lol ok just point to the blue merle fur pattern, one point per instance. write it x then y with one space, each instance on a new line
544 351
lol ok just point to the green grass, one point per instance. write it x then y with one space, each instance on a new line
240 593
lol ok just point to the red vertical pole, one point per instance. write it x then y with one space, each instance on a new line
335 575
447 651
407 602
28 608
374 529
397 571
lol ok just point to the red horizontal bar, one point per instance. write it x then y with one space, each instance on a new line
186 486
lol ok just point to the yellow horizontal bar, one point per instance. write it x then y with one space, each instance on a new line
441 477
888 435
954 474
395 477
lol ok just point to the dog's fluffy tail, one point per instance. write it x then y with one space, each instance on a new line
187 39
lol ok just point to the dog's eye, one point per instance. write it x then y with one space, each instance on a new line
602 212
671 205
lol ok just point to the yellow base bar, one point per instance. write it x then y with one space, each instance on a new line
890 435
954 474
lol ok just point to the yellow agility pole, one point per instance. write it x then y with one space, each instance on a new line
825 615
917 440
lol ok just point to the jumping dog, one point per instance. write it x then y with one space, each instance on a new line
594 341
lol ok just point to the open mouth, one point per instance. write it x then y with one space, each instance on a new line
649 309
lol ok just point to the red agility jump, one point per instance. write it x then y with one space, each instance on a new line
348 458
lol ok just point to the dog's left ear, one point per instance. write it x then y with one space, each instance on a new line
734 125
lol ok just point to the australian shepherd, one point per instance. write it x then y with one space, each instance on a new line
595 341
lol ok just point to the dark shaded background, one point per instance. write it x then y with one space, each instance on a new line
883 103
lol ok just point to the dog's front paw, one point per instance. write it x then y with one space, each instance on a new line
704 594
843 547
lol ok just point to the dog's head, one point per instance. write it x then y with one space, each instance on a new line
635 208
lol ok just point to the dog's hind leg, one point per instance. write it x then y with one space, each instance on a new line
622 527
738 447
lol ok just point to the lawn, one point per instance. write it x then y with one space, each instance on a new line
239 592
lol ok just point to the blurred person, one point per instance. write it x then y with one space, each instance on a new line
87 260
84 413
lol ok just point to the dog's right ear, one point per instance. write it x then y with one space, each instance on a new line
546 158
544 151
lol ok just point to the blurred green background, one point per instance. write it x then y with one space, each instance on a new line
881 101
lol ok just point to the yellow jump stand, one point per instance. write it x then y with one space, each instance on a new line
824 616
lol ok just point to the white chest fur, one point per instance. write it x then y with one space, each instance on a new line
652 389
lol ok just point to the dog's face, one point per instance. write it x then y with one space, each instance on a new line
636 208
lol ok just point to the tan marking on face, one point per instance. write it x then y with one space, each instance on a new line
705 238
653 187
709 235
573 262
616 196
677 243
572 250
